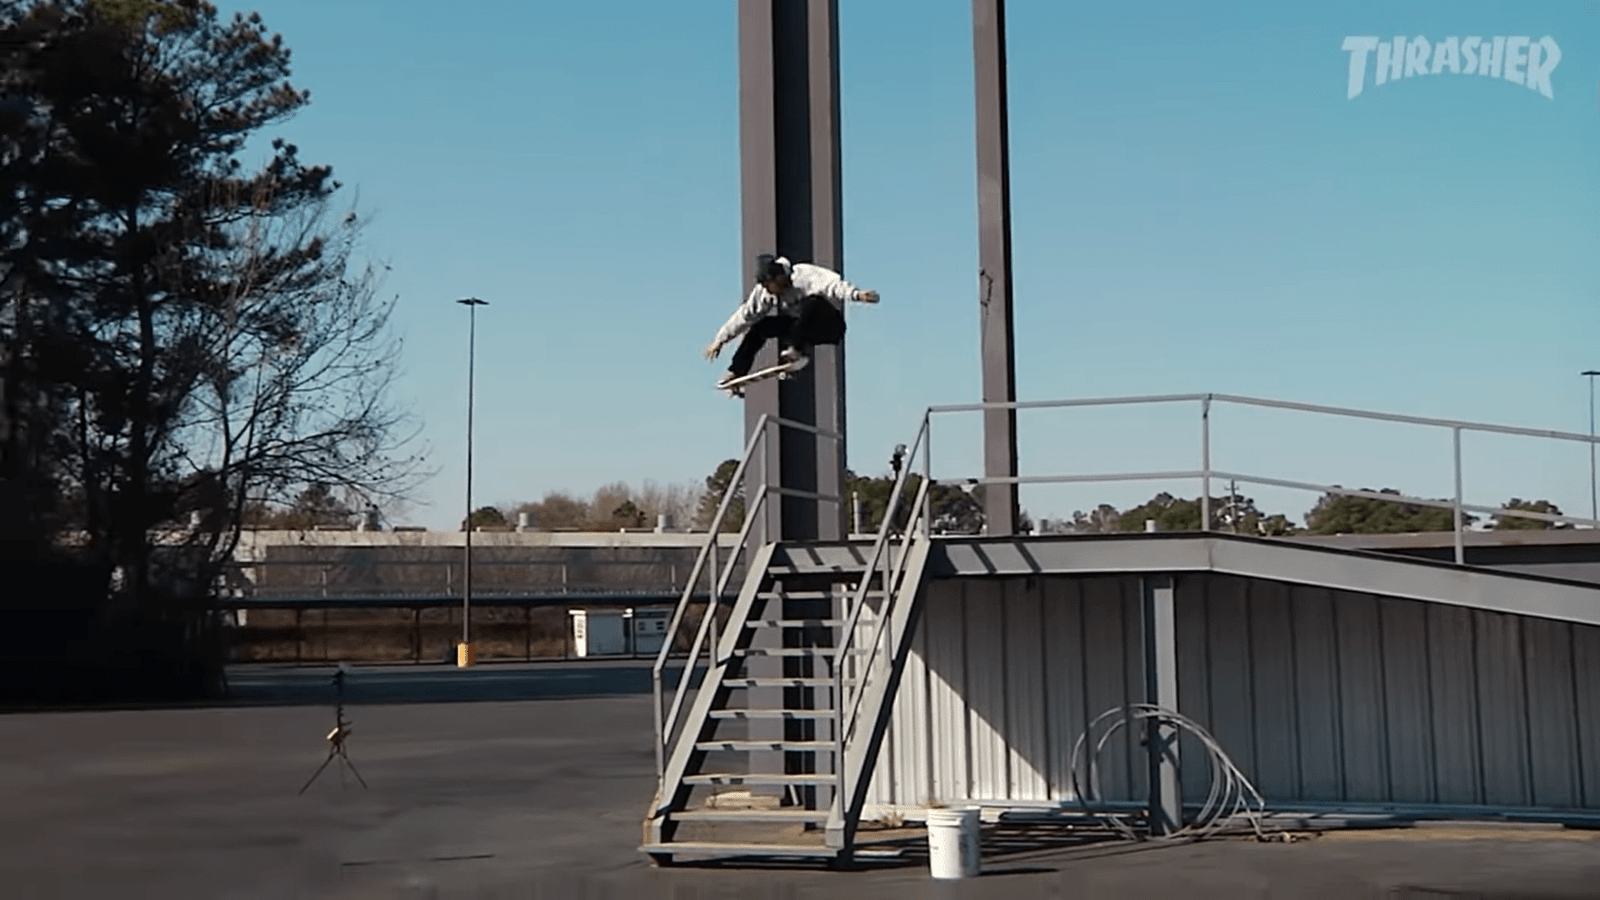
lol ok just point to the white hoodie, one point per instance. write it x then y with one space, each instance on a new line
805 280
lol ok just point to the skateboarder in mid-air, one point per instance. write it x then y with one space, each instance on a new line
797 303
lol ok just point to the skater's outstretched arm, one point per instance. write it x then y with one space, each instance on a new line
817 281
755 307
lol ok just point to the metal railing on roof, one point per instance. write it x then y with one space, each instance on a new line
1205 473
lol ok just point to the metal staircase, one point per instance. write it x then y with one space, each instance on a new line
782 696
768 751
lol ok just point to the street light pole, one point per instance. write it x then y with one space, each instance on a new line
465 657
1594 507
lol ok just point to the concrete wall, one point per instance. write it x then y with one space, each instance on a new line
1317 695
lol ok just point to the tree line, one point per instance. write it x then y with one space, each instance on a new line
694 505
955 510
1334 513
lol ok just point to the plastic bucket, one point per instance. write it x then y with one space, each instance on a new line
953 843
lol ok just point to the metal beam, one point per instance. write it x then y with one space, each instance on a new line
789 150
1001 510
1161 689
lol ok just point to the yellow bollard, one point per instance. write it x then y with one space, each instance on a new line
466 655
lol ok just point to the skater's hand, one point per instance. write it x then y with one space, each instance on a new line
866 296
713 350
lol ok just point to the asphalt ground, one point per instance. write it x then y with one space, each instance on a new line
531 780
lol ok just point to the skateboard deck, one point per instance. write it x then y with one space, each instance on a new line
782 370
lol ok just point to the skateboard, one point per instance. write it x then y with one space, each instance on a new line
781 370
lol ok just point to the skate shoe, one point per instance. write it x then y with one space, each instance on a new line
795 358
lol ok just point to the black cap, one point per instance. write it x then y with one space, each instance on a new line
769 267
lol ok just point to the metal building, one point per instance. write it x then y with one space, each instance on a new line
920 670
1334 679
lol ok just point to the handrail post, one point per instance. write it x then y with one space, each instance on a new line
661 734
713 595
711 650
1205 463
1461 550
927 473
766 480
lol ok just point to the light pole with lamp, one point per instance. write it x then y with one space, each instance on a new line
1594 507
465 657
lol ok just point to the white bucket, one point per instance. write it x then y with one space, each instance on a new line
953 843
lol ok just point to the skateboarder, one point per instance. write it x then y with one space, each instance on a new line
797 303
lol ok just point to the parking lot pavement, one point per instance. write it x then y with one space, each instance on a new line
536 789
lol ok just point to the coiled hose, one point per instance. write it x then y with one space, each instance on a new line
1232 797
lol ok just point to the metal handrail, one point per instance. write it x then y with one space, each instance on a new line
714 532
845 723
666 723
706 623
1271 404
892 583
1206 473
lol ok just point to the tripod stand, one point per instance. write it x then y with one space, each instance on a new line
336 738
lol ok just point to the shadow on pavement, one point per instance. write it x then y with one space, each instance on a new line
1006 850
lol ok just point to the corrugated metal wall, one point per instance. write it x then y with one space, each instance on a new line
1323 695
1317 695
1001 679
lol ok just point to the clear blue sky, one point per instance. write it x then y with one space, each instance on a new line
1197 206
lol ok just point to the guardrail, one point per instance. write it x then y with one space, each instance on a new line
848 693
1205 473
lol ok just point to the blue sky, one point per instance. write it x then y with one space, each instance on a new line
1197 206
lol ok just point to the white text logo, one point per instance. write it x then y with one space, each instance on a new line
1519 60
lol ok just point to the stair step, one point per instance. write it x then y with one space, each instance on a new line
758 746
787 651
772 714
820 568
794 623
705 848
758 778
781 682
797 595
750 815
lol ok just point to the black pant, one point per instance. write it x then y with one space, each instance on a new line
819 322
